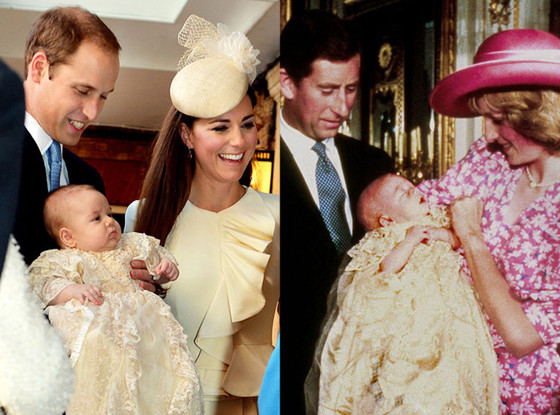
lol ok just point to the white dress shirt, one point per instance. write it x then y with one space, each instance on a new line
44 141
306 159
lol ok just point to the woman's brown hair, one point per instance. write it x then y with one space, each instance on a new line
167 184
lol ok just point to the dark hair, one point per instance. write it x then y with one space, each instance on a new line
60 31
312 35
167 184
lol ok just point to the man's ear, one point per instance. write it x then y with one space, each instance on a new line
38 66
287 85
385 220
66 237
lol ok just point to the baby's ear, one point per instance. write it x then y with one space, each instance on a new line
385 220
66 238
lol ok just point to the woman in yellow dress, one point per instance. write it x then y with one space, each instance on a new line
224 235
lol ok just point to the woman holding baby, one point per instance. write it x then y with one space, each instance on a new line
504 199
505 204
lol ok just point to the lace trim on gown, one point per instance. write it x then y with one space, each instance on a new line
412 342
128 344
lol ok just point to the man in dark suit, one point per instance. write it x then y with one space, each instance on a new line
319 78
71 66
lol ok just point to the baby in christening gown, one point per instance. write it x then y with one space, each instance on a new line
408 335
129 353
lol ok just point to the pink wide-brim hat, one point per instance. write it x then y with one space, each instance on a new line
518 57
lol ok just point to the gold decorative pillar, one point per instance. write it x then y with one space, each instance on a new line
445 126
273 82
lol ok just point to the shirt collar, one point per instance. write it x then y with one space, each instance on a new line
42 139
297 141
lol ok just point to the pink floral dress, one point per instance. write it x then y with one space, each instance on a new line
527 254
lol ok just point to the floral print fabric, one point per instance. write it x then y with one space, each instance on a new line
527 254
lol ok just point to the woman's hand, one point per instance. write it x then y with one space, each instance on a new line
503 307
466 215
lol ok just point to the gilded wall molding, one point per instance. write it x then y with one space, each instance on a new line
445 126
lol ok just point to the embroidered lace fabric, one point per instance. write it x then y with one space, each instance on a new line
413 342
129 354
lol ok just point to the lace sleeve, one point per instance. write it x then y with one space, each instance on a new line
53 271
147 249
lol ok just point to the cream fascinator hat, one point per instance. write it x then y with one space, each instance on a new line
215 71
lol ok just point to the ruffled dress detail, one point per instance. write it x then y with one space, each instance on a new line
231 284
412 342
129 353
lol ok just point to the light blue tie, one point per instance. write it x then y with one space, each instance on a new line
331 199
55 163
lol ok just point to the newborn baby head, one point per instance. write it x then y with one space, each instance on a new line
390 198
78 216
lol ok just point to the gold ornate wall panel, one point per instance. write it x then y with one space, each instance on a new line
445 148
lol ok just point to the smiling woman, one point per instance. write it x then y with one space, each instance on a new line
224 234
505 203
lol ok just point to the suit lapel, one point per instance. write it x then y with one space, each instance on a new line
33 174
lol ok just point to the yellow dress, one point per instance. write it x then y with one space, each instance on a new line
129 353
412 342
226 296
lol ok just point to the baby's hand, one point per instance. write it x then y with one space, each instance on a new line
445 235
437 234
168 269
418 234
82 292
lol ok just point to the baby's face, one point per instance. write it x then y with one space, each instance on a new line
91 223
401 200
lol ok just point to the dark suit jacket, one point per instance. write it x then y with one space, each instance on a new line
29 228
12 111
309 258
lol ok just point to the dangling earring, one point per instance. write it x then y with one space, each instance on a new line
190 152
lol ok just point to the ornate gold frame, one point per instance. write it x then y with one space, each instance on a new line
445 126
393 86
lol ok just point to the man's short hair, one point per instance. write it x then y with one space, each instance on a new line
60 31
312 35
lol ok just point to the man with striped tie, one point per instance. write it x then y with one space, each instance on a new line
322 176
